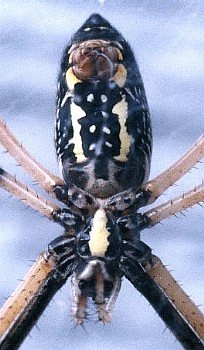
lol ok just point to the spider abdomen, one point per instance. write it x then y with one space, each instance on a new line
103 129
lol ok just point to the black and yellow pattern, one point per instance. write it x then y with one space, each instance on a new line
103 128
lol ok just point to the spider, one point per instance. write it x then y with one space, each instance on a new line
103 142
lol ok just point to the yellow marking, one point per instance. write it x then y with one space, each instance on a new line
120 55
121 109
71 79
77 113
98 243
120 76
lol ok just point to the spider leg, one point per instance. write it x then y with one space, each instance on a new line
171 175
47 275
25 159
175 293
27 194
48 181
64 217
154 188
183 322
138 222
171 207
130 227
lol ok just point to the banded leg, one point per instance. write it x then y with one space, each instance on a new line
48 274
187 331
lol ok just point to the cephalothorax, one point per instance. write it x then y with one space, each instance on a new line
103 142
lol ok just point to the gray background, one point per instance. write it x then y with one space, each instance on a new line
167 37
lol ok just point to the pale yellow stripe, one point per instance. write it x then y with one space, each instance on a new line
77 113
98 242
121 109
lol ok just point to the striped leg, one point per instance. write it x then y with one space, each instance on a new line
47 275
171 303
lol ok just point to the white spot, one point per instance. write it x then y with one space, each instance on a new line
102 28
108 144
104 114
106 130
64 135
92 147
59 140
104 98
92 128
90 98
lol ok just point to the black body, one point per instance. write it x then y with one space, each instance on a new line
112 116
